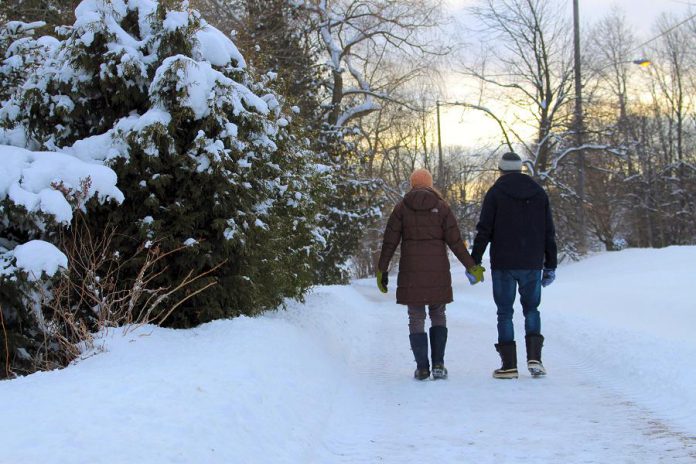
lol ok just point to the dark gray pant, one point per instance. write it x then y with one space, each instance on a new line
416 317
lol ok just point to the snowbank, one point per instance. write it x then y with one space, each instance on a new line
629 317
216 394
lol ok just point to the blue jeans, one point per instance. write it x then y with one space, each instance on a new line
505 283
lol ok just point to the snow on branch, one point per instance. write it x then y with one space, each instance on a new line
586 147
38 181
356 35
357 111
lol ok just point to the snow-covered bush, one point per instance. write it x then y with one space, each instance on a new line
203 150
39 191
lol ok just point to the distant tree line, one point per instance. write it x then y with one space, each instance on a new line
639 131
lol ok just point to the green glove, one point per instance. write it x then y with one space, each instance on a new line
382 281
475 274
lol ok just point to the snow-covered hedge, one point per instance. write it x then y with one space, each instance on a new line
160 111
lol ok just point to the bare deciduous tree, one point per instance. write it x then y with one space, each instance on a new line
528 64
672 89
359 37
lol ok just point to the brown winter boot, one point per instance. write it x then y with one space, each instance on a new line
508 355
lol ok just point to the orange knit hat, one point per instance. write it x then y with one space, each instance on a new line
421 178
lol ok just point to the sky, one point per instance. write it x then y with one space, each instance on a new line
640 13
472 128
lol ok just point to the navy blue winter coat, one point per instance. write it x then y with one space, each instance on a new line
516 220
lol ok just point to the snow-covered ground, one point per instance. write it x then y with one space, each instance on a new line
330 381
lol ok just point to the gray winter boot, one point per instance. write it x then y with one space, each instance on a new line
419 346
438 341
534 345
508 355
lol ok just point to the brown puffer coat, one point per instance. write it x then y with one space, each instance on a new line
425 225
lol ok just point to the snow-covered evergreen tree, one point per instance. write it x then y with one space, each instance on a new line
205 155
278 36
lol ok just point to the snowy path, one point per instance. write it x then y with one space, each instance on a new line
329 381
568 417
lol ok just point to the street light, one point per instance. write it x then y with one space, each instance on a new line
642 62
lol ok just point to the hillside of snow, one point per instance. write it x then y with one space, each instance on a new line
330 381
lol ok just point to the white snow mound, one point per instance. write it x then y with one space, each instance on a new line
28 179
37 256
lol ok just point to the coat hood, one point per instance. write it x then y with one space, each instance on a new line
421 199
519 186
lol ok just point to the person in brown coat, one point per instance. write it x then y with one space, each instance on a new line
425 226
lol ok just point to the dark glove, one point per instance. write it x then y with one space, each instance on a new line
548 277
382 281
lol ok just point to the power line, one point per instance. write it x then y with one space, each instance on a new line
664 33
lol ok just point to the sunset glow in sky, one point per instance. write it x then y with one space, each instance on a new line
473 128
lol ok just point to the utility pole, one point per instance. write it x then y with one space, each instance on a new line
579 128
440 167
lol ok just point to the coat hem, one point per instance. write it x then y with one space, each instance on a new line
420 303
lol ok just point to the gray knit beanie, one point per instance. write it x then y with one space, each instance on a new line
510 162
